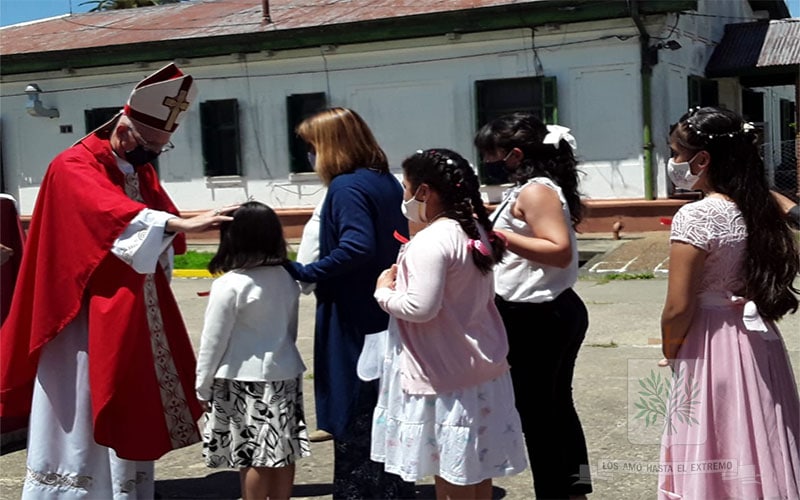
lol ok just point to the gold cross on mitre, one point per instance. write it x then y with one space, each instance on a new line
176 105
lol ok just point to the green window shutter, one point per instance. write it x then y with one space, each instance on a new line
787 120
219 123
495 98
693 88
702 92
549 100
98 116
298 108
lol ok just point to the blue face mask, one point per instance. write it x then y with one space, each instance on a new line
312 159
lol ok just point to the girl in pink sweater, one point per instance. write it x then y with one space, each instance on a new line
446 404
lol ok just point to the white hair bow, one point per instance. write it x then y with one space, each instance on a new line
557 133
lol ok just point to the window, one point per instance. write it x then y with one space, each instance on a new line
98 116
752 106
703 92
495 98
788 124
219 123
298 108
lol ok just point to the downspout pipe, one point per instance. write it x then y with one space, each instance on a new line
646 55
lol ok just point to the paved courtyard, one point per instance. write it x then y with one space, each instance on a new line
620 350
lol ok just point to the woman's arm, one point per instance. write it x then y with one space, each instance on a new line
686 264
540 207
790 209
353 223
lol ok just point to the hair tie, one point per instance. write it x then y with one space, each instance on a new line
494 235
479 246
556 134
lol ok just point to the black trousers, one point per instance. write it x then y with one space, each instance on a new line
543 341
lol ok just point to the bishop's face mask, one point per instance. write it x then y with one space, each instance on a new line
139 156
680 173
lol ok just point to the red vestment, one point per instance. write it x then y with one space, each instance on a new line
80 211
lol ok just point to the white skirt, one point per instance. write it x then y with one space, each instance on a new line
464 437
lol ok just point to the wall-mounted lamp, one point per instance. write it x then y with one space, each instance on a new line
35 106
652 51
669 45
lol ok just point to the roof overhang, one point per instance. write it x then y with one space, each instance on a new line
777 8
508 16
760 54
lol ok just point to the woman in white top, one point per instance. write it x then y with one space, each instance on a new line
249 371
545 319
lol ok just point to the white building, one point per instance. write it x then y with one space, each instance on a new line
422 74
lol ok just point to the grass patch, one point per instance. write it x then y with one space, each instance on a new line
625 277
193 259
606 345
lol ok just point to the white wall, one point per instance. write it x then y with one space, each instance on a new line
414 94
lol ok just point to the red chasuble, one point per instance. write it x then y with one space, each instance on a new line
141 361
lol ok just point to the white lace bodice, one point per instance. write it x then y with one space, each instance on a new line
716 226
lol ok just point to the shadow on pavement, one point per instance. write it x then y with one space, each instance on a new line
225 486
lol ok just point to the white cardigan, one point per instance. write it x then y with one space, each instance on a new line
250 329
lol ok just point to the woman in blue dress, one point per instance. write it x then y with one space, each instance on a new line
359 221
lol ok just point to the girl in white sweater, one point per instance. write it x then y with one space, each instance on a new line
249 371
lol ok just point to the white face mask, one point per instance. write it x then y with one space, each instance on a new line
680 173
414 210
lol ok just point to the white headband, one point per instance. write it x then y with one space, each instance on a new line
557 133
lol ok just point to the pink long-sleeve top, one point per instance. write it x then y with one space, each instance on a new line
443 306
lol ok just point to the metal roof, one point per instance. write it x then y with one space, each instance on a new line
757 49
211 27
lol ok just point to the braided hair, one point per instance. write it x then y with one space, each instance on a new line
737 171
526 132
455 181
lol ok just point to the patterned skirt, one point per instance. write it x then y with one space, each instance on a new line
255 424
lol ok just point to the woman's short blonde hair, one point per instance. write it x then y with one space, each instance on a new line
342 142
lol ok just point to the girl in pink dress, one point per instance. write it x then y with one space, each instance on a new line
732 416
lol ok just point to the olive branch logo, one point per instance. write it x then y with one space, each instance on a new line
661 397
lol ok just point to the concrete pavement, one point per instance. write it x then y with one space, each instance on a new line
618 352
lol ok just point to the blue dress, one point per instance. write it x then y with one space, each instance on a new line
360 215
